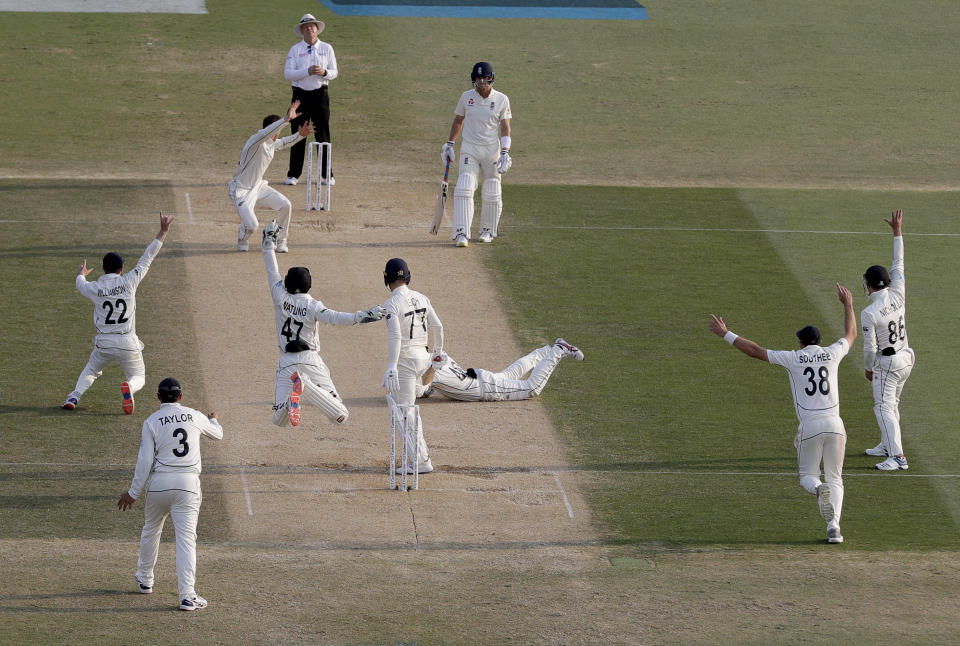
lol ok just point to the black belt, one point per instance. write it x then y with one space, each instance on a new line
296 346
888 352
322 88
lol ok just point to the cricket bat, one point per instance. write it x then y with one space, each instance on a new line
441 201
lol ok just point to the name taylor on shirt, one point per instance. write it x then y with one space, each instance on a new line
178 418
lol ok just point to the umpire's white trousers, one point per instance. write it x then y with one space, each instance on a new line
822 439
246 202
889 376
130 360
176 495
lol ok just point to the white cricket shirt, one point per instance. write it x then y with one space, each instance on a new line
482 117
884 320
813 377
257 154
302 56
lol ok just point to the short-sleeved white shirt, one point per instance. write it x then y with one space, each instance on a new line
813 378
482 116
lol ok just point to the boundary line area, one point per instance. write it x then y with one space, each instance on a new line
549 9
105 6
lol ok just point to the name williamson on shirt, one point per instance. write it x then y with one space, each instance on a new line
116 291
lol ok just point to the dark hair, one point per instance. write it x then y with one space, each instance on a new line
809 335
112 262
169 390
270 118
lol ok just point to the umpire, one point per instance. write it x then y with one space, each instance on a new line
311 65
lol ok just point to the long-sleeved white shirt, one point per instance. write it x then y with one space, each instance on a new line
114 299
297 315
257 154
170 443
884 320
411 324
302 56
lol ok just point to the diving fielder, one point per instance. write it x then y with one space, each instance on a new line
248 188
301 373
412 327
114 297
816 399
887 357
482 114
170 458
522 379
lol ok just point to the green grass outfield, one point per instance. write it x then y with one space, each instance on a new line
669 415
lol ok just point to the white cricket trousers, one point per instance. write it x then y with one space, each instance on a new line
411 365
246 202
822 439
888 380
318 388
130 360
540 364
474 161
177 495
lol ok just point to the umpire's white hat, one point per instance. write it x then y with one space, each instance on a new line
306 20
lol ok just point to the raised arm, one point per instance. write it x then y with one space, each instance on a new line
165 222
746 346
849 317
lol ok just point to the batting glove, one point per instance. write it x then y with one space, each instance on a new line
391 381
505 162
446 153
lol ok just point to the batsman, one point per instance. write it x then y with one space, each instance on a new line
483 115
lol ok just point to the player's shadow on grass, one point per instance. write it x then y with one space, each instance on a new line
83 609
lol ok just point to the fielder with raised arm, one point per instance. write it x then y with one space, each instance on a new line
483 115
114 297
524 378
248 189
168 466
816 399
887 357
301 373
412 328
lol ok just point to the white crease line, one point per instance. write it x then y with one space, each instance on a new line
246 492
721 230
563 494
189 208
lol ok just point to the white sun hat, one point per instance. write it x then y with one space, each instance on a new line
307 19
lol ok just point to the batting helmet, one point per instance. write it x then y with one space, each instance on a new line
298 280
169 390
809 335
481 69
396 269
876 277
112 262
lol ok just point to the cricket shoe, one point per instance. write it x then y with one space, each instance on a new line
282 247
196 602
826 505
70 404
462 241
485 236
879 451
127 403
833 534
143 588
571 351
293 406
425 467
291 181
894 464
243 243
332 182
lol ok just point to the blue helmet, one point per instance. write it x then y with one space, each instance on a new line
298 280
481 69
396 269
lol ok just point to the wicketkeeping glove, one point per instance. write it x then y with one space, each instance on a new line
446 153
271 233
391 381
505 162
375 313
